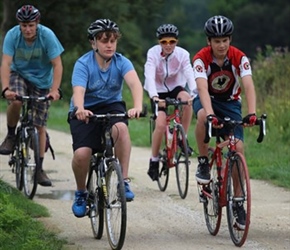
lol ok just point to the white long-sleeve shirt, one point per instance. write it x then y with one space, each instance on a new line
163 74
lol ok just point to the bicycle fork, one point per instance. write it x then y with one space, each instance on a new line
102 181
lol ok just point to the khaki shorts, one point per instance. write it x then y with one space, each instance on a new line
23 87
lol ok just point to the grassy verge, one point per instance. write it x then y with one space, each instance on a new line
19 227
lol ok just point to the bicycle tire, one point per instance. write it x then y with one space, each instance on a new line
17 163
96 205
116 209
182 162
163 175
31 159
211 208
238 167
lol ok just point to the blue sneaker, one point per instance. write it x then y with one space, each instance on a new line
128 193
79 206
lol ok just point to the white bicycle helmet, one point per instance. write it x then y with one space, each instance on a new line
167 30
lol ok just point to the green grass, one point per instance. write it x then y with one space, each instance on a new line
268 160
19 227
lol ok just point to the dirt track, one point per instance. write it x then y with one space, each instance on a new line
156 220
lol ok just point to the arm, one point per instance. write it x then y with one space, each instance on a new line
57 76
78 101
190 79
250 93
5 76
202 85
149 73
248 84
132 80
202 88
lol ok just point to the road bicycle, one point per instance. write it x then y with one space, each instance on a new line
25 158
106 191
230 182
175 148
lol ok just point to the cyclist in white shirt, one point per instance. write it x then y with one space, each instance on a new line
168 73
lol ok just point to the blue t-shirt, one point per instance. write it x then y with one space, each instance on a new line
32 62
102 86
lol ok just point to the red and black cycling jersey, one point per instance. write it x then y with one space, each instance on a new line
223 82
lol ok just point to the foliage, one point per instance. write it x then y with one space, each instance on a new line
226 7
270 28
271 76
18 229
138 21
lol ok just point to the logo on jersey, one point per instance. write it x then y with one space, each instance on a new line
221 81
198 69
246 66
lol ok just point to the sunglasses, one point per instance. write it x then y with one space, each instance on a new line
168 41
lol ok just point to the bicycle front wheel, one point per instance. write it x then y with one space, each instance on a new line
17 163
210 198
31 159
182 162
116 209
96 205
163 175
238 199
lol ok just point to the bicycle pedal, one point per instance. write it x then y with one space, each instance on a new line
129 200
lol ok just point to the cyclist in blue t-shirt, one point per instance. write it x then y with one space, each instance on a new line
97 82
31 65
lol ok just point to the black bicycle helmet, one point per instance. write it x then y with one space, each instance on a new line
166 30
102 25
218 26
27 13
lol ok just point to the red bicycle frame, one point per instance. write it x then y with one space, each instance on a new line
171 149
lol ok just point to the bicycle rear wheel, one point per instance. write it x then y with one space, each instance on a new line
182 162
96 205
210 198
238 199
31 160
163 175
116 209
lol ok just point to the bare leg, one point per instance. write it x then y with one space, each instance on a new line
80 166
187 111
13 113
122 141
157 136
200 133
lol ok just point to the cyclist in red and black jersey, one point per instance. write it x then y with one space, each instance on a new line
217 69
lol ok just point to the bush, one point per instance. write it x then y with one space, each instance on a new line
271 77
